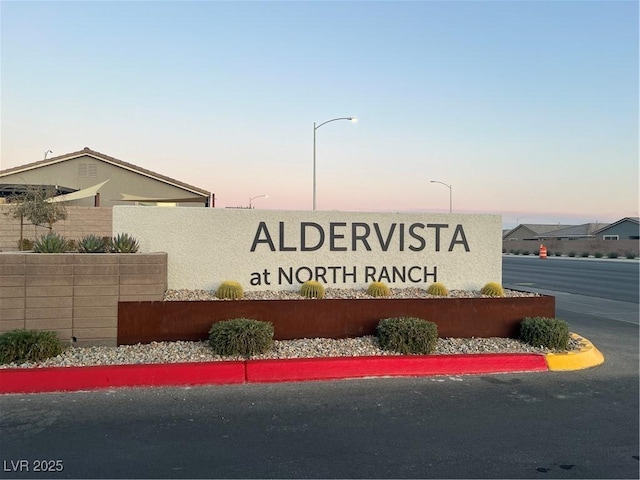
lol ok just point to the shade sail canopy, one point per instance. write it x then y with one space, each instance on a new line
80 194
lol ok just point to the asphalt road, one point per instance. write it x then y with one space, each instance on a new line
581 424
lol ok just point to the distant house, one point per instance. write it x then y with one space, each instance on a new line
88 178
627 228
531 231
572 232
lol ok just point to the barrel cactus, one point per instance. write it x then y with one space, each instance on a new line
438 289
378 289
230 290
312 289
492 289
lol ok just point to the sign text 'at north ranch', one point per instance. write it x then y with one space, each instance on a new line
354 237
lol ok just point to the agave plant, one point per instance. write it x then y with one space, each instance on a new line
124 243
92 244
51 243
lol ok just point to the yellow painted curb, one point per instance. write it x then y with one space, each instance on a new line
586 356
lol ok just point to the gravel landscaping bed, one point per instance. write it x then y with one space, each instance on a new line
176 352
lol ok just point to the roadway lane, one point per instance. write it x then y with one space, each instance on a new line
611 279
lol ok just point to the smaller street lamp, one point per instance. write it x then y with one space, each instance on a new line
257 196
450 187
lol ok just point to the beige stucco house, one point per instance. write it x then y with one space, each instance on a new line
88 178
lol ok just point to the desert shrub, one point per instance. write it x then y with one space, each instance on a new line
584 254
552 333
230 290
598 254
240 336
613 255
312 289
525 252
407 335
630 255
492 289
20 346
558 254
518 251
437 289
25 244
378 289
123 243
572 254
51 243
92 244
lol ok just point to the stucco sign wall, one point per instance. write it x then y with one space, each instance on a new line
280 250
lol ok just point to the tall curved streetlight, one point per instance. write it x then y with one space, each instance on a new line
316 127
450 187
257 196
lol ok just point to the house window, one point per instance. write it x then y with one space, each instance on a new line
87 170
610 237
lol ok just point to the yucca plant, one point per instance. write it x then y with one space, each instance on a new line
438 289
230 290
492 289
378 289
312 289
124 243
51 243
92 244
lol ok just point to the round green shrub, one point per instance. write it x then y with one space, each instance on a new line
630 256
230 290
438 289
378 289
492 289
240 336
20 346
572 253
598 254
584 254
551 333
613 255
312 289
407 335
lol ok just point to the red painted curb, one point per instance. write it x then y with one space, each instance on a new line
262 371
59 379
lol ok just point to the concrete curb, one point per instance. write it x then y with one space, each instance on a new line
68 379
587 356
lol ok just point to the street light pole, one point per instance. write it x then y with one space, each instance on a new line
450 187
257 196
316 127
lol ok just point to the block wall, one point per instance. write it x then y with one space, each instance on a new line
76 295
80 221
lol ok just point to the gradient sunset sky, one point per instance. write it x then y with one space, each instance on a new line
528 109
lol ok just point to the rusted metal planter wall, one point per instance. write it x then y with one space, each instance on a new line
144 322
